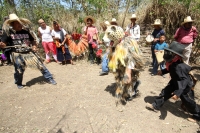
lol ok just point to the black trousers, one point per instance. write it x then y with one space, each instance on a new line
187 99
91 53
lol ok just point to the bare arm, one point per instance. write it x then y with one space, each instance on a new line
39 34
65 39
34 45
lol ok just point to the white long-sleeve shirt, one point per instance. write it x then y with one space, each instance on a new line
134 31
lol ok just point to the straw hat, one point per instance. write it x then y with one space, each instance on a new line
133 16
104 24
187 20
157 22
149 38
107 23
113 21
5 18
13 17
89 17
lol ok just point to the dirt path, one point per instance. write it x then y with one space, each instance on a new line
82 101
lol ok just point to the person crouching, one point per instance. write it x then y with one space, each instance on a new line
180 85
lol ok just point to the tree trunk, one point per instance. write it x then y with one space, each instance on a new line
12 4
127 7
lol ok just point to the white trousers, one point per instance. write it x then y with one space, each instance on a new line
187 52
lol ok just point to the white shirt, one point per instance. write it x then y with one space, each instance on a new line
134 31
46 34
56 34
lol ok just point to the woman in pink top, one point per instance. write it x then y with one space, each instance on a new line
186 35
91 31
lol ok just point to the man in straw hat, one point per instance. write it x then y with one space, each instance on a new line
180 84
133 29
186 35
20 41
113 21
44 32
157 32
91 31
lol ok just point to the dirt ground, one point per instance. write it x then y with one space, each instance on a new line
83 102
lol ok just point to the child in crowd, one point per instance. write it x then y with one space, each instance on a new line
90 31
159 47
104 64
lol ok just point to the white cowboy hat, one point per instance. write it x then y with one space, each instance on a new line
157 22
89 17
107 23
149 38
113 21
187 20
133 16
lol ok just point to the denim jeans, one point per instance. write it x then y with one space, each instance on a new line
105 63
155 66
19 65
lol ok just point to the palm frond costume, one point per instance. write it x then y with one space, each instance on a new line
125 54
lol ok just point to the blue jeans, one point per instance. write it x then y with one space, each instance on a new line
105 63
19 65
155 66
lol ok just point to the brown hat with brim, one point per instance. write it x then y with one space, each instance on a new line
89 17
